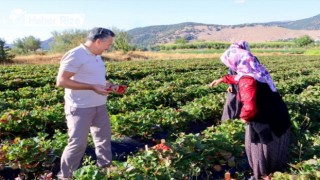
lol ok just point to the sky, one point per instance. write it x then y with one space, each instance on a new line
39 18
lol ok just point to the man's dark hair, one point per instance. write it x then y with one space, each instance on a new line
99 33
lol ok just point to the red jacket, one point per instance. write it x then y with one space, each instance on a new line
247 91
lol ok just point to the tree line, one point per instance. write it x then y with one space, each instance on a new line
65 40
184 43
62 41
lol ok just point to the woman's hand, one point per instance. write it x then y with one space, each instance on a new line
229 90
244 121
215 82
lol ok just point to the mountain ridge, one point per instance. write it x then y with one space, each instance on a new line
193 31
255 32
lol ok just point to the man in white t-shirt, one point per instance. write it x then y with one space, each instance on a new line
82 73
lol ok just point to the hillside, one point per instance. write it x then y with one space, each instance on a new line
312 23
254 32
150 35
45 45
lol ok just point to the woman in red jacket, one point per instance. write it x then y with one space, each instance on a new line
262 109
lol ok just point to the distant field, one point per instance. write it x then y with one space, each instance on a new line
220 51
164 55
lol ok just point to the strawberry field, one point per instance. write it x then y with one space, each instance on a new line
166 99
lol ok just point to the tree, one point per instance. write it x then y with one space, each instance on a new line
26 45
68 39
180 40
5 56
304 41
121 41
31 43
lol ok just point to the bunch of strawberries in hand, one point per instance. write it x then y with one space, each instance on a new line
118 89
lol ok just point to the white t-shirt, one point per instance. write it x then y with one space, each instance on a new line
88 68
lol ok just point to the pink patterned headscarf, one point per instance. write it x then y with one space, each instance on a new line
239 59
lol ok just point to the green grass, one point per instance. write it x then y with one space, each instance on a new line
220 51
312 52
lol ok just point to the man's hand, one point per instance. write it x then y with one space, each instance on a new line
100 89
64 80
215 82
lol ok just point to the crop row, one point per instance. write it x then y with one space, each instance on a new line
164 98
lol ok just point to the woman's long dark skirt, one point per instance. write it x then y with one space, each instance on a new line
267 158
232 107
